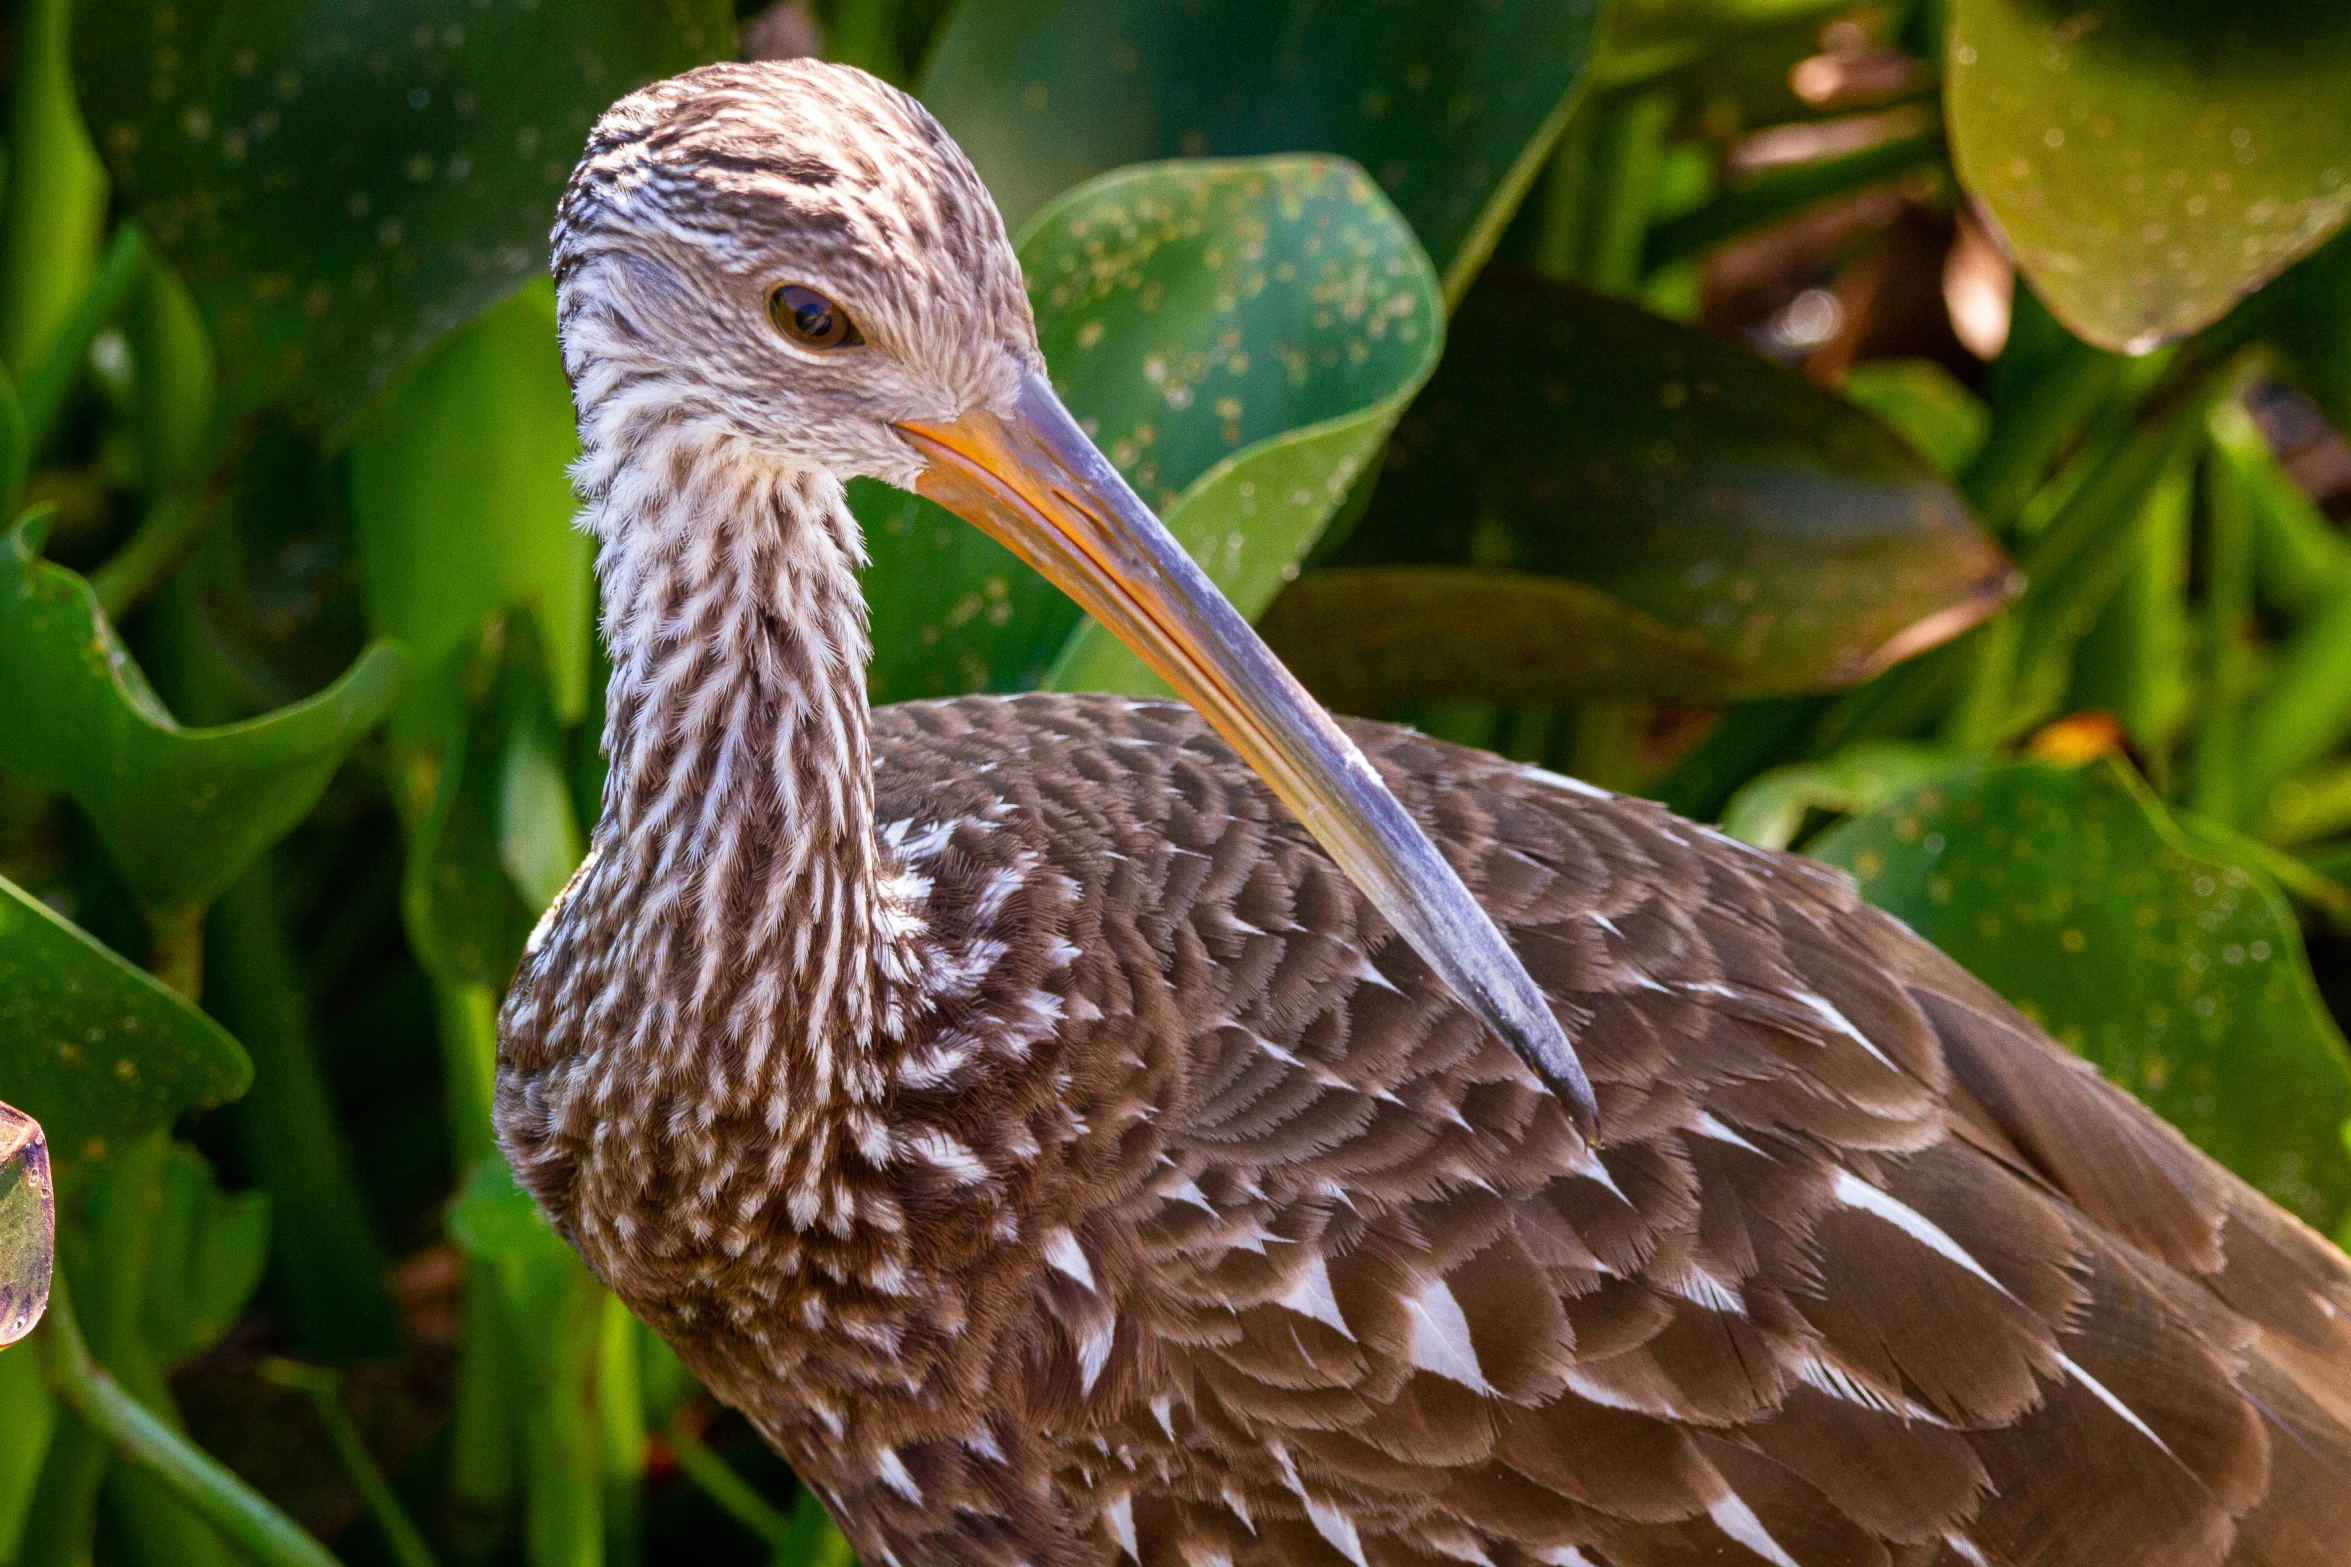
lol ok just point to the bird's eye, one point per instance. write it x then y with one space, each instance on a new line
811 320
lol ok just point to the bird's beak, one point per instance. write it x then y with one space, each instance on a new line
1033 481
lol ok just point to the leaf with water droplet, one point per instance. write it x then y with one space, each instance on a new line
28 1224
1792 540
2150 162
2176 967
341 185
181 812
97 1049
1449 106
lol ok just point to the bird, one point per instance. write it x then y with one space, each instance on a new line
1075 1129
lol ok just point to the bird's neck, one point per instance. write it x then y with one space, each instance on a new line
738 829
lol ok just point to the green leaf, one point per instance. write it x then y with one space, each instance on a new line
205 1257
1924 403
182 812
498 839
97 1050
53 206
461 496
1770 810
1575 437
2175 967
342 185
1452 108
2150 163
28 1224
494 1219
1238 337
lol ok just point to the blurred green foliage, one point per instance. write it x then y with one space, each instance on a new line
1638 388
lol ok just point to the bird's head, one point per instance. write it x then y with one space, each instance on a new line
791 265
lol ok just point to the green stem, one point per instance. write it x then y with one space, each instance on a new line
620 1416
54 204
2229 636
192 1475
402 1538
1635 145
323 1247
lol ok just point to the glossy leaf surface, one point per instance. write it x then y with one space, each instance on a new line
1569 436
2150 161
28 1224
342 184
96 1050
181 811
1238 337
463 502
1450 107
2175 968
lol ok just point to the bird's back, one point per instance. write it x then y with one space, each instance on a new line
1866 1269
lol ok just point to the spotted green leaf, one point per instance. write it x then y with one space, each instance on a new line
97 1050
2151 161
28 1224
1451 107
1238 337
1573 437
181 812
2176 968
341 184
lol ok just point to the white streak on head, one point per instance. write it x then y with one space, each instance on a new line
1965 1550
1571 785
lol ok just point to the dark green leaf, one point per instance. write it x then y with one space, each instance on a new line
98 1050
28 1224
182 812
2151 162
1450 107
1365 638
1571 436
2177 969
1238 336
343 184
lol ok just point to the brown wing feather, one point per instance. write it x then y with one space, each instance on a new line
1866 1270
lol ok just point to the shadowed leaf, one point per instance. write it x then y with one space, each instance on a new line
1569 436
1450 107
2177 969
98 1050
342 184
2151 162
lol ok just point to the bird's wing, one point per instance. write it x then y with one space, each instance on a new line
1866 1270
